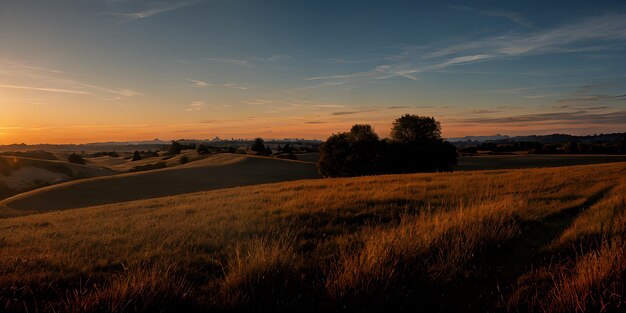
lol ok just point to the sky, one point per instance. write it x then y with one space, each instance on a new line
118 70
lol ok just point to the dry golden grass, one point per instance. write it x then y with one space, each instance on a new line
20 174
214 172
590 276
393 241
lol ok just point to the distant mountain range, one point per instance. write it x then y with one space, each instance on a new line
554 138
149 144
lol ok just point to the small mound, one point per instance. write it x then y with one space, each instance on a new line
215 172
19 174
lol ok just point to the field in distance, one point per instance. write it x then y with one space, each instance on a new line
213 172
548 239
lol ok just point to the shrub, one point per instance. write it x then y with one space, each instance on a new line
203 149
175 148
148 167
286 149
415 146
136 156
76 159
184 159
351 154
258 146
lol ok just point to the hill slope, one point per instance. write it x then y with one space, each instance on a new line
218 171
19 174
533 239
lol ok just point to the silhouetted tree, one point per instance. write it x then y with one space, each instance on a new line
76 159
570 148
174 148
416 146
621 145
258 146
202 149
355 153
136 156
415 129
287 149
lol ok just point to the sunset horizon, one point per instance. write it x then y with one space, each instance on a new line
77 72
312 156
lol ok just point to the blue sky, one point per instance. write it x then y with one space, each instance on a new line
77 71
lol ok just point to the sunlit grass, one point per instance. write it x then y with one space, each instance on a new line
319 244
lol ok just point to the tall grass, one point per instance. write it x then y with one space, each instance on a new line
590 275
422 250
358 243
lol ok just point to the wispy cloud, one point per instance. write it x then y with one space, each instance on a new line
482 111
510 15
594 98
581 116
149 12
590 34
199 83
540 96
202 84
249 61
232 61
195 106
37 78
572 107
234 86
352 112
57 90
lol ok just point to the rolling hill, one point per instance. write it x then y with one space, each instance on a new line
19 174
217 171
535 240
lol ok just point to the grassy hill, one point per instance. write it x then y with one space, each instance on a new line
508 240
214 172
19 174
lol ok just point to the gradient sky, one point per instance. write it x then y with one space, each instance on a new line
100 70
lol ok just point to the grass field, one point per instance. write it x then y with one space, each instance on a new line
492 162
214 172
537 240
20 174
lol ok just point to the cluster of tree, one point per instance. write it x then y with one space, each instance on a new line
112 154
258 147
76 159
509 146
582 148
33 154
176 147
415 146
204 149
564 138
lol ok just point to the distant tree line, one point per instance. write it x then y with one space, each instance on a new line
571 147
176 147
583 148
415 145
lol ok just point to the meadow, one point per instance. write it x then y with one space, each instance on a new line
539 240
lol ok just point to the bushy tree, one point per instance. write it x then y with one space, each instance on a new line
287 149
76 159
258 146
175 148
203 149
354 153
136 156
416 129
570 148
621 146
416 146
